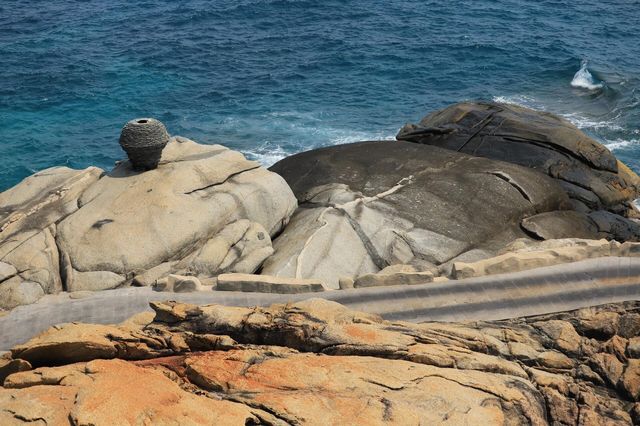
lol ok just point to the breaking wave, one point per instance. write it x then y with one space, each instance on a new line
583 79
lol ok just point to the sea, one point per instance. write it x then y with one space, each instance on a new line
275 77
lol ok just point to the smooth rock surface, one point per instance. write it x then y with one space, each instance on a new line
369 205
533 139
205 210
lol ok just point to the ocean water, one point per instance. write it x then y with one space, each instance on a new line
275 77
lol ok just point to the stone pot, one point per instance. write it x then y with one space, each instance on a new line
143 139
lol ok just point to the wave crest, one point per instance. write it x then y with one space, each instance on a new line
584 80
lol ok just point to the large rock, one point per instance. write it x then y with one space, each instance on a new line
369 205
205 210
588 171
29 213
131 222
262 365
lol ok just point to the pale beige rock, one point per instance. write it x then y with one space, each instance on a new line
81 294
345 283
523 255
7 271
241 247
267 284
135 221
35 255
93 280
43 199
393 278
150 276
15 292
205 210
179 284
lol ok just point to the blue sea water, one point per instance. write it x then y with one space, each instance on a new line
274 77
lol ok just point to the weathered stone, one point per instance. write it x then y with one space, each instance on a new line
633 348
534 139
150 276
179 284
367 369
15 292
608 367
630 379
397 278
521 256
369 205
11 366
143 139
560 224
240 247
267 284
108 392
7 271
131 222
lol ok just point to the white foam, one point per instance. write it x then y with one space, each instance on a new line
616 144
584 80
270 152
580 121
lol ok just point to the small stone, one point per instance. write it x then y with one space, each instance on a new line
10 366
630 380
178 284
396 278
267 284
345 283
633 348
81 294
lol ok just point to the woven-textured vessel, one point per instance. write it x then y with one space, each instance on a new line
143 139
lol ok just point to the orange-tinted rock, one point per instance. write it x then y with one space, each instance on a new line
317 390
110 392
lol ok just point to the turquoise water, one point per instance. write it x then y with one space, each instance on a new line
272 78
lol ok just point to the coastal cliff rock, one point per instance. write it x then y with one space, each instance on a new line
587 170
203 211
369 205
286 364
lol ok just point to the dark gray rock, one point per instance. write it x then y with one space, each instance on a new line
543 141
368 205
560 224
615 227
143 139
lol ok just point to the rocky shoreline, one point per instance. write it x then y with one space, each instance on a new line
517 207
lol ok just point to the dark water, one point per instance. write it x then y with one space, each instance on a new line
275 77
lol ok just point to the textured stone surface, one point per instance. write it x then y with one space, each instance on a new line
263 364
522 255
392 278
205 210
196 192
267 284
369 205
143 139
591 174
179 284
